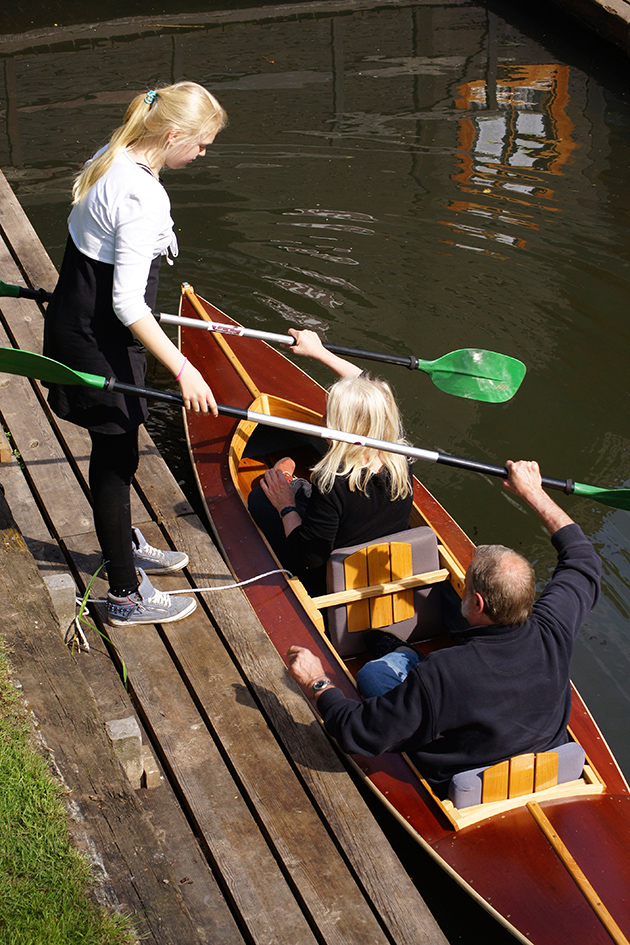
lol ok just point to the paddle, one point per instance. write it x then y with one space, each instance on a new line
29 364
472 373
21 292
469 372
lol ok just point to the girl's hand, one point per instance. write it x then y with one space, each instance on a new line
308 343
197 395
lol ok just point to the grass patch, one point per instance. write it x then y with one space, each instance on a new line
44 881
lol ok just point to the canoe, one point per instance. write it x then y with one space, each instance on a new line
498 852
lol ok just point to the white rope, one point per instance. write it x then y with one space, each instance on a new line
227 587
201 590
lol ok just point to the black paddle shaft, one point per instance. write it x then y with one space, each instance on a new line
408 361
167 396
39 295
563 485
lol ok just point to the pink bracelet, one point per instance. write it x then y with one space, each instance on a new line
182 369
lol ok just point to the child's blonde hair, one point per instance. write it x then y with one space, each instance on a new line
367 407
184 107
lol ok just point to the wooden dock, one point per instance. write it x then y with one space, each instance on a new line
256 832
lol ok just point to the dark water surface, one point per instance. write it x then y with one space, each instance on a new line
412 180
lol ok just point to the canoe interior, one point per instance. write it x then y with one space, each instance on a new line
500 857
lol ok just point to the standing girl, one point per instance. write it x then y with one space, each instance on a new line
100 320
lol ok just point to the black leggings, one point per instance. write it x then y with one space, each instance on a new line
113 463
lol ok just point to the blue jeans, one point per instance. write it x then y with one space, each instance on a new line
379 676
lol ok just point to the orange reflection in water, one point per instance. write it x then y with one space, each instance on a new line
516 132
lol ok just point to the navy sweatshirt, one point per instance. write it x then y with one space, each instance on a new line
503 691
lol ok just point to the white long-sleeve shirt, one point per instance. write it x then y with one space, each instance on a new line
125 220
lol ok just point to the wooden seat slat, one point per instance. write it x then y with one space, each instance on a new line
546 773
401 563
379 572
356 574
521 779
495 783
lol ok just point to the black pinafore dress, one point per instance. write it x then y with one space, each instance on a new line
81 330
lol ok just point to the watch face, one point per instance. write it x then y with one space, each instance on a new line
320 684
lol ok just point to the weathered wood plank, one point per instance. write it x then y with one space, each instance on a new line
175 840
299 837
42 455
107 816
386 884
24 241
39 541
188 751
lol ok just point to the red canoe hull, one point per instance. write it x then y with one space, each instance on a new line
505 861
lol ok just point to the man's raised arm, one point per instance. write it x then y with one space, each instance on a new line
524 480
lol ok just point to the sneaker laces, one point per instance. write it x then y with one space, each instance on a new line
147 551
161 598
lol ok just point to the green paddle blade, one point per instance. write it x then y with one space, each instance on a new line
476 374
616 498
29 364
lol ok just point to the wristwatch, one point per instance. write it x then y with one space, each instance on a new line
286 510
319 685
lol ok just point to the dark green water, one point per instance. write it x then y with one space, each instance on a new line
413 180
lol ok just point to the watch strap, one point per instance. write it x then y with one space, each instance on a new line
286 510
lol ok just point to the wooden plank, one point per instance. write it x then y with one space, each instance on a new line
387 886
213 799
365 849
355 570
379 572
364 593
401 567
108 819
495 783
35 532
546 773
521 779
298 836
42 455
174 839
24 241
92 557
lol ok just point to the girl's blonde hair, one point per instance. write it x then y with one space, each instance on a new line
184 107
365 406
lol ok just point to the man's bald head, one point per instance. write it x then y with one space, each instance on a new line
506 582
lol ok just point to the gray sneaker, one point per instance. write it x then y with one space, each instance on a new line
147 605
153 560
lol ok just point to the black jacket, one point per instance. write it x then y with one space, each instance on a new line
341 518
503 691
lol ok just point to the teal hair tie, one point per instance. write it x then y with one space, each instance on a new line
150 97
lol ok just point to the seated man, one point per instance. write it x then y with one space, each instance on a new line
504 690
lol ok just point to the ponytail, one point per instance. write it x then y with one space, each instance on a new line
184 107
